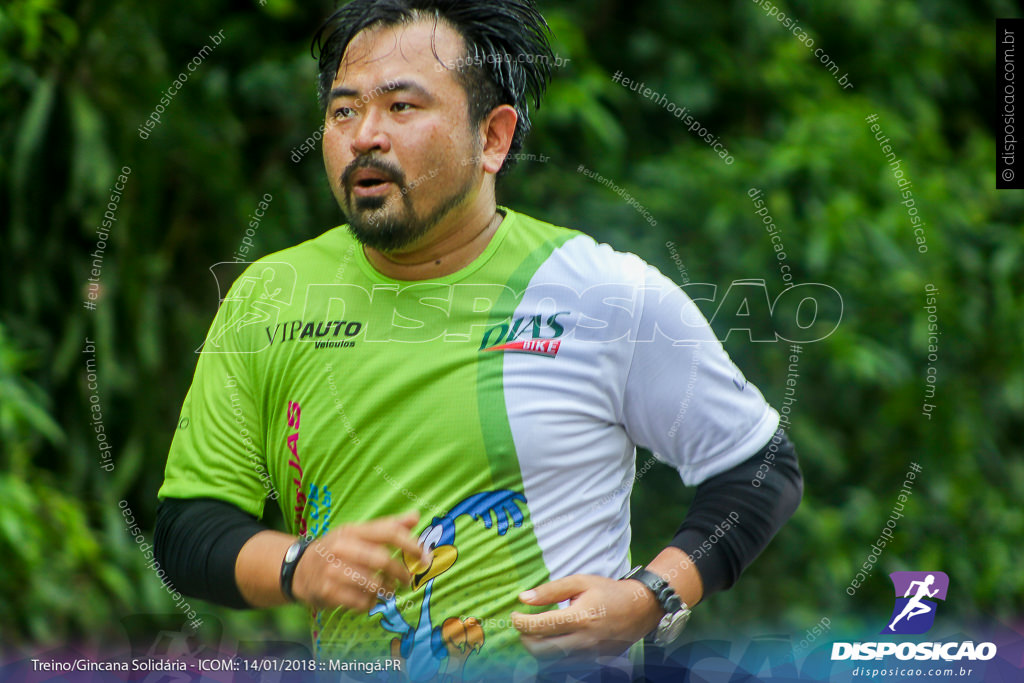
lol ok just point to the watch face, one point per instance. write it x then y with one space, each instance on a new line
671 626
293 550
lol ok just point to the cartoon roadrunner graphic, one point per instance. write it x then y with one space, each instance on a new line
425 647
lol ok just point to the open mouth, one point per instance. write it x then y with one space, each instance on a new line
370 182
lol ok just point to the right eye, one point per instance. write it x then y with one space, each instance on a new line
343 112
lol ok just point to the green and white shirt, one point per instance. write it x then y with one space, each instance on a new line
504 401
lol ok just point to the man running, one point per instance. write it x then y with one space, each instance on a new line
447 395
914 606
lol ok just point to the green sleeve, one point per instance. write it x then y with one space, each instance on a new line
218 451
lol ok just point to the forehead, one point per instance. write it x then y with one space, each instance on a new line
392 52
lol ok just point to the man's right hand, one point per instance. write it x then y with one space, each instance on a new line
348 567
354 564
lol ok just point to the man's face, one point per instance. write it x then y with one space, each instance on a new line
399 152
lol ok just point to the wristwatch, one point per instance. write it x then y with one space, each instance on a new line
291 561
676 611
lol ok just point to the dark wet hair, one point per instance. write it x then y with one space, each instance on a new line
508 54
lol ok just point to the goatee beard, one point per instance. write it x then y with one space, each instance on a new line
374 226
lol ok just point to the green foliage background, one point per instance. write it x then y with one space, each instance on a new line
78 79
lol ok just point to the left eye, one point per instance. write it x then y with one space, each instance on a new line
401 106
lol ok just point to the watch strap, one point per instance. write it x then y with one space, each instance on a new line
290 562
663 592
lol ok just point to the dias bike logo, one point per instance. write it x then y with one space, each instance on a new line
509 336
914 614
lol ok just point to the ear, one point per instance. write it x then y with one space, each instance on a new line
497 131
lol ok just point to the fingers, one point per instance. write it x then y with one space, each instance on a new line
601 617
555 591
376 558
361 563
554 623
328 581
393 531
557 622
354 566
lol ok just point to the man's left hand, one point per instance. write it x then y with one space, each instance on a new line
604 616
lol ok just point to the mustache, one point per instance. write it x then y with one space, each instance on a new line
393 173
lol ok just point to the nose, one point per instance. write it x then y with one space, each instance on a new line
370 135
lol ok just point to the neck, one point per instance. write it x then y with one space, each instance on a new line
445 249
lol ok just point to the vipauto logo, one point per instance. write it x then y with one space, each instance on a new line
914 614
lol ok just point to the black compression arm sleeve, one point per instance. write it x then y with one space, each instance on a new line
197 542
756 513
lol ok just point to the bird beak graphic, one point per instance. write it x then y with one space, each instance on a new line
443 558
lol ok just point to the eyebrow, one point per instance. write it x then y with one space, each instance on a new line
388 88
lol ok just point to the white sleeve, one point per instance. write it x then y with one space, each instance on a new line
684 398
